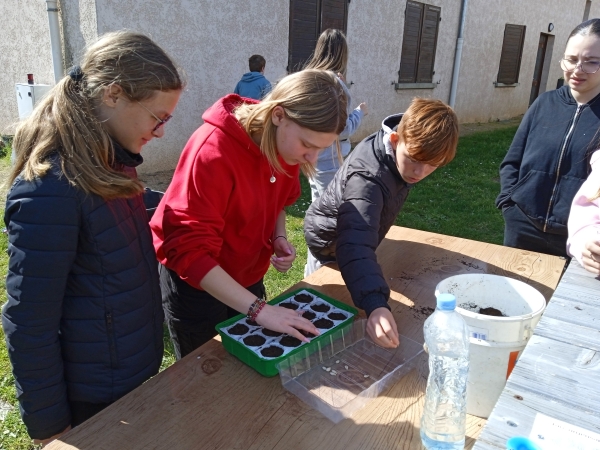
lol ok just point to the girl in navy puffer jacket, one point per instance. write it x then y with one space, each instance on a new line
83 321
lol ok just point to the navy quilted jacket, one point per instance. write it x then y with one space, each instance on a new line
83 321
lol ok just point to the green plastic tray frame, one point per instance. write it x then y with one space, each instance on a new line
268 367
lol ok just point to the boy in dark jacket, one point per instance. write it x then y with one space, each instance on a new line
347 224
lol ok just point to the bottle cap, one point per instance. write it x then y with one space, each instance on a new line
521 443
446 302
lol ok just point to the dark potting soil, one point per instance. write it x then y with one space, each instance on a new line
306 333
323 324
272 351
290 341
336 316
491 312
320 307
239 329
303 298
271 333
288 305
254 340
251 322
309 315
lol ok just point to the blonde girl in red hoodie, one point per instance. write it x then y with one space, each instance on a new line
222 220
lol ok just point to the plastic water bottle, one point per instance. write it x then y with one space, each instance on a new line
443 424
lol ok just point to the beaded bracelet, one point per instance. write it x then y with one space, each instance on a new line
255 308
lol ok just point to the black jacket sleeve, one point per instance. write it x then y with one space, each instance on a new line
358 237
43 227
511 165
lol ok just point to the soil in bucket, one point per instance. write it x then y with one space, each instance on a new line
488 311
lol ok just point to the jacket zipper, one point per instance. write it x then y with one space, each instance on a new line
111 340
560 158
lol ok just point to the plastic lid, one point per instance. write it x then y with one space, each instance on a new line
446 302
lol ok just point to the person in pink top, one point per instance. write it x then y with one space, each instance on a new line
584 221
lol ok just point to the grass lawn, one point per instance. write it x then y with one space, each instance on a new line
456 200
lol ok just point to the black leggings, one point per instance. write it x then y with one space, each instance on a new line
192 314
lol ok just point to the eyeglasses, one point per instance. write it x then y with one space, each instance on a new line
161 122
569 65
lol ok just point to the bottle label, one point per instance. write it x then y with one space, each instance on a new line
478 333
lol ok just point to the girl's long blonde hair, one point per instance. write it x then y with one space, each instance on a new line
66 120
313 99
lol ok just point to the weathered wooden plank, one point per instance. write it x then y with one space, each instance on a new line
565 375
571 333
557 373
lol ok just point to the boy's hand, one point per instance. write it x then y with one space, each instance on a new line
364 108
382 328
284 256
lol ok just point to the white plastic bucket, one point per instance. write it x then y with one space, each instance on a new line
496 342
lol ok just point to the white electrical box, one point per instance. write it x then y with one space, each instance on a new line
28 96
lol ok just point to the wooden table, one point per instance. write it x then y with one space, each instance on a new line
212 400
557 376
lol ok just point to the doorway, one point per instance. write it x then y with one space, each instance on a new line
542 66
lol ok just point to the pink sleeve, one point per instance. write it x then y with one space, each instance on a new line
584 219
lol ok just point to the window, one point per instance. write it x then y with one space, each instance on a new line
419 43
512 50
308 19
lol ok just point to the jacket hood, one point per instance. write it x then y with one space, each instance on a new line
220 115
251 76
564 93
390 123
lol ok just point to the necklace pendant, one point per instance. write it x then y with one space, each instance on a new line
272 179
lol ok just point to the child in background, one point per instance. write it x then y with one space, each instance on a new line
254 84
83 320
222 219
331 53
349 221
584 221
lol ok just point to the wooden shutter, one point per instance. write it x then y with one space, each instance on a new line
308 18
428 43
413 17
304 31
512 51
334 14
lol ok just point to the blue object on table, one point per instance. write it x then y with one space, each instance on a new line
521 443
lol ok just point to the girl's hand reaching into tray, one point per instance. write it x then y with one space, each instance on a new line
382 328
286 321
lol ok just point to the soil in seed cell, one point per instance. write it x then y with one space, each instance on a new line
323 324
254 340
272 351
239 329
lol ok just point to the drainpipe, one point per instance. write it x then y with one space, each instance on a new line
458 53
55 42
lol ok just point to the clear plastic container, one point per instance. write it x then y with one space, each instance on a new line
443 423
341 374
